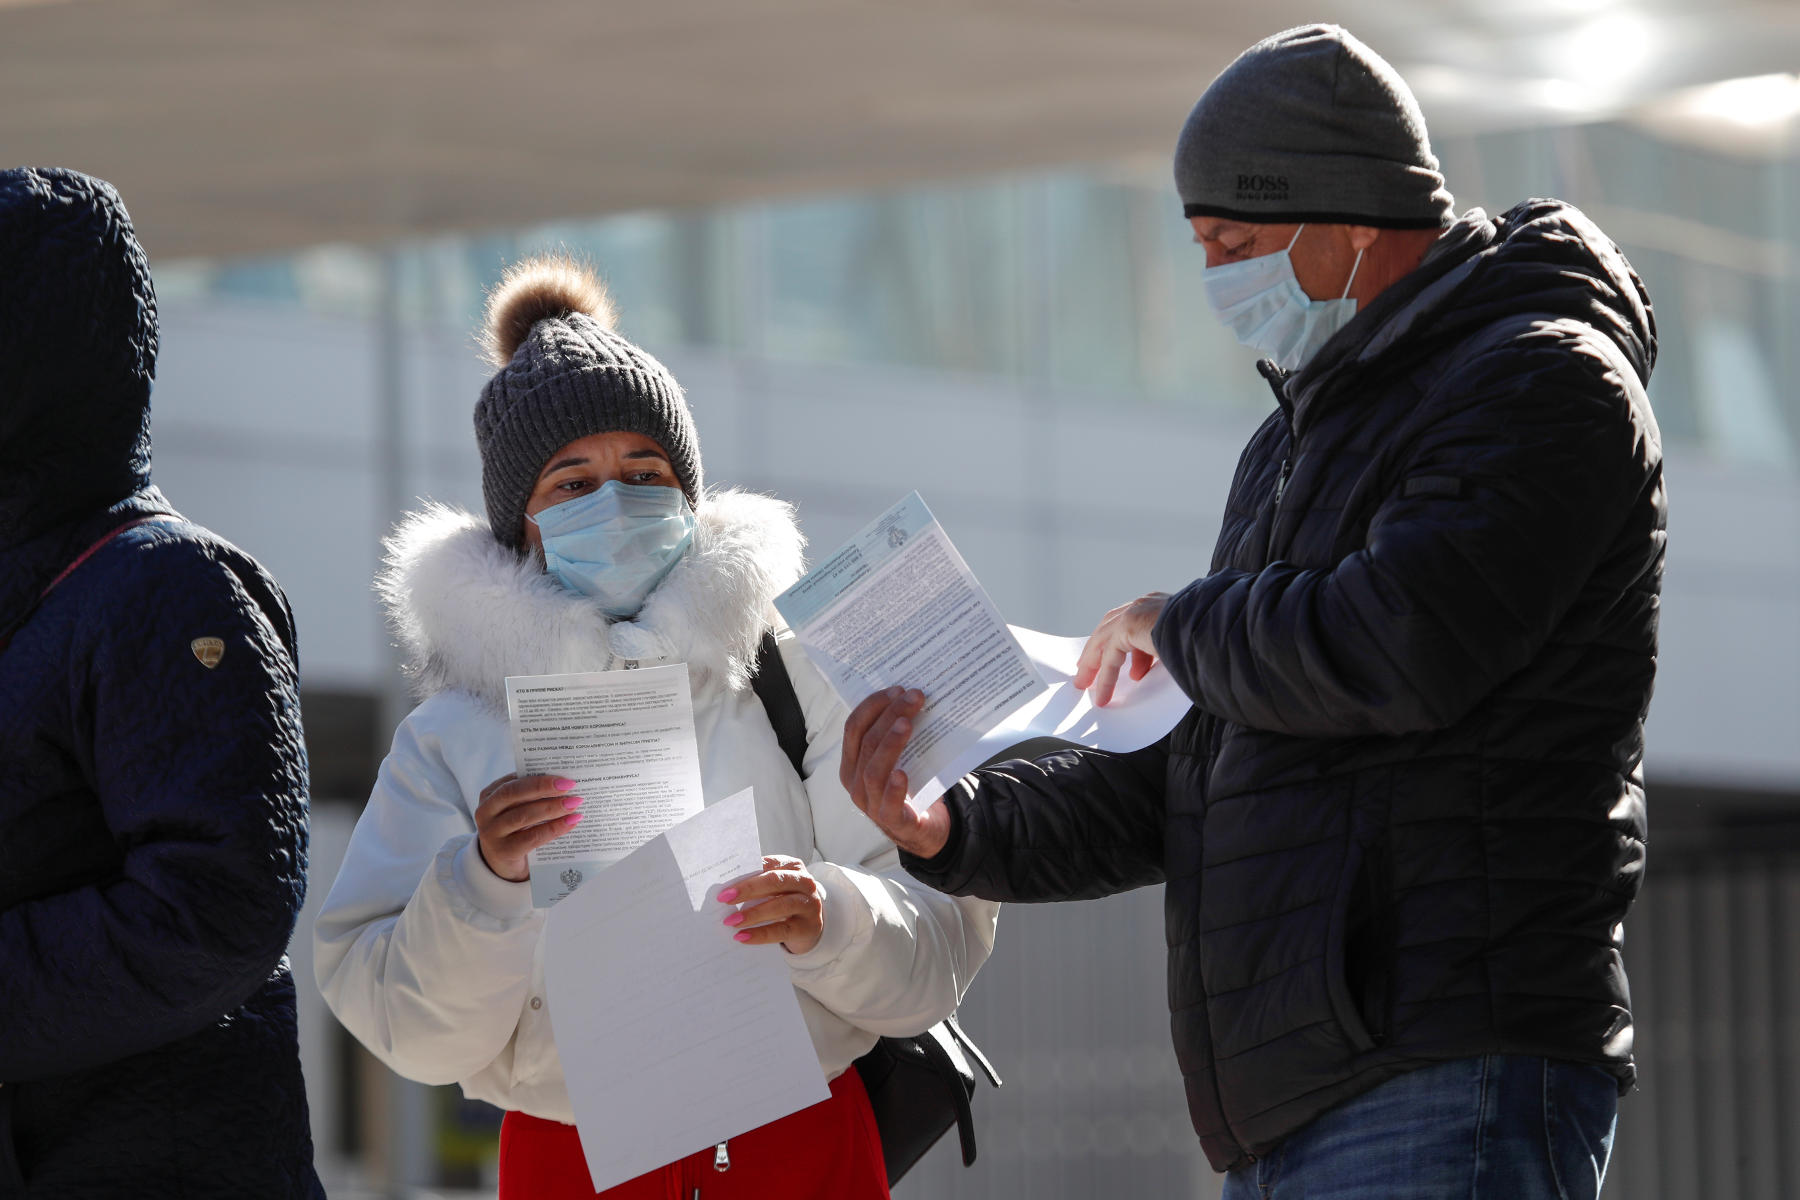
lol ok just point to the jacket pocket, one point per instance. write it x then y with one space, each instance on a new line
1357 971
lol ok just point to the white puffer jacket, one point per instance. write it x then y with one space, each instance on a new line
436 964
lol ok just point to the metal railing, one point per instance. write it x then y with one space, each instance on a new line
1713 951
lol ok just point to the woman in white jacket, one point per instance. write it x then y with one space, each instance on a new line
428 947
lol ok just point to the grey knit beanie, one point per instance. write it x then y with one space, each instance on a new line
566 373
1311 125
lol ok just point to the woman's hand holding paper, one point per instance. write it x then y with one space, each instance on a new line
518 814
781 903
874 737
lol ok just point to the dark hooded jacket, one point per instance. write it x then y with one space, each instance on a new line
152 805
1405 818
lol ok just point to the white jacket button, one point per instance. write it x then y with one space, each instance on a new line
537 1002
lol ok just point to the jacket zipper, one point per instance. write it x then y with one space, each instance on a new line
721 1164
1287 469
1278 384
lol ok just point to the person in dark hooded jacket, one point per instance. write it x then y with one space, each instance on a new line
1402 825
152 776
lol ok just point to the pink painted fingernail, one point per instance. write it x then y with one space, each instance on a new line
915 697
728 896
735 919
572 820
563 785
573 802
744 936
894 692
903 726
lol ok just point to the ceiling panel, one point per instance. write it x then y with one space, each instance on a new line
245 125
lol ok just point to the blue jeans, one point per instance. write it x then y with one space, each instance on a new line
1501 1127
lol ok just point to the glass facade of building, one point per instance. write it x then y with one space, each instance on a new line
1085 284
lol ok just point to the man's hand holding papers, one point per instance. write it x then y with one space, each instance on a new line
898 606
897 623
1123 633
874 738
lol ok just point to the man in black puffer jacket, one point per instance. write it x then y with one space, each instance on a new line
1404 820
152 776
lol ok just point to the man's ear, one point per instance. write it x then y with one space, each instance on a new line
1363 236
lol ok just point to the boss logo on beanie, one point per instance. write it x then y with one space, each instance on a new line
1262 187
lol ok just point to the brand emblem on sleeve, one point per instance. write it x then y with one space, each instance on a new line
209 650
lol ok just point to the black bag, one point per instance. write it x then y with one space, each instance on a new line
918 1086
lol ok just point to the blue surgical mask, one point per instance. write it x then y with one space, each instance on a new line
616 543
1261 301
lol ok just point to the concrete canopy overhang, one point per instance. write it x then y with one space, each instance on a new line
243 126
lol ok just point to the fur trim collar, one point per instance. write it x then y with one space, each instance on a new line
468 612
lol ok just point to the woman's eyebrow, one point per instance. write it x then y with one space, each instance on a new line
656 454
567 462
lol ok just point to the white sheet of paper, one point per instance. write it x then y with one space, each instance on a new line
673 1036
898 605
1140 712
627 740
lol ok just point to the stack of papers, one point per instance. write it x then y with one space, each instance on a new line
898 606
627 740
673 1035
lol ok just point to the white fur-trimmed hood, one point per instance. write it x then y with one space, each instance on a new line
468 612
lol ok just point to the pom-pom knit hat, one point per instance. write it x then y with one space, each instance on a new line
565 373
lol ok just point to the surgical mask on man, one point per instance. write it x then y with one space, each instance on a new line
616 543
1261 301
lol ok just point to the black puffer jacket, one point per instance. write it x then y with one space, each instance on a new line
152 796
1405 818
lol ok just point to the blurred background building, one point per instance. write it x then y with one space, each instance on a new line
891 244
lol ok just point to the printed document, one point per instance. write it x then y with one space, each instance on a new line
1140 712
627 740
899 606
673 1036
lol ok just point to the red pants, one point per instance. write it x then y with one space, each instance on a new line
830 1151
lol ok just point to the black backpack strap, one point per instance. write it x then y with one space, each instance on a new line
776 691
971 1050
953 1082
945 1047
